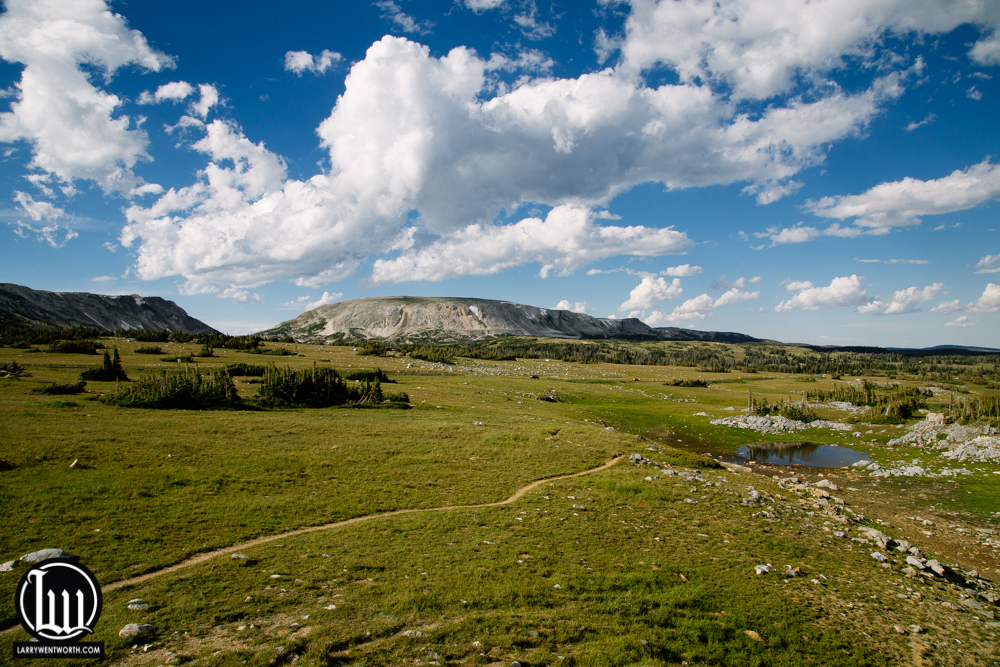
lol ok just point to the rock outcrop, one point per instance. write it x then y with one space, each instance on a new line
441 319
25 307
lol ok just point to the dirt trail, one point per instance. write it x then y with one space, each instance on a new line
201 558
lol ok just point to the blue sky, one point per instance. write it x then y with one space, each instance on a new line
823 172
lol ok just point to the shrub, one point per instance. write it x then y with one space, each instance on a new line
75 346
149 349
276 352
109 371
680 457
12 369
150 336
206 351
68 388
435 354
321 388
316 388
242 369
373 349
188 390
686 383
368 374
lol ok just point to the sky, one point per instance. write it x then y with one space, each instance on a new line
815 171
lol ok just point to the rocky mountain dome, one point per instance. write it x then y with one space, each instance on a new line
442 319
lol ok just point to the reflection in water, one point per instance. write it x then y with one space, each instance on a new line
800 453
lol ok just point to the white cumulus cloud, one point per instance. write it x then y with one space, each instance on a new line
578 307
989 301
903 301
303 61
989 264
69 121
565 241
762 49
842 291
651 291
411 134
682 271
702 305
961 321
902 203
175 91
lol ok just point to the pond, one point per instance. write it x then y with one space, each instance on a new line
800 453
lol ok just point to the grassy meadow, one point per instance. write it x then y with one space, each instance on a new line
628 565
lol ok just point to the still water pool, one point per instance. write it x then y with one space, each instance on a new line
800 453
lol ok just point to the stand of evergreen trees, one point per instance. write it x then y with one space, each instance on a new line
109 371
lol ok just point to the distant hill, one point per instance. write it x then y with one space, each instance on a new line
24 307
443 319
936 351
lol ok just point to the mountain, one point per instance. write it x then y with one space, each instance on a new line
442 319
24 307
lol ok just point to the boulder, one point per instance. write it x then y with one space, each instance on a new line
827 484
136 631
44 554
8 566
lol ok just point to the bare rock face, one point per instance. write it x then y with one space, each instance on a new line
23 306
440 319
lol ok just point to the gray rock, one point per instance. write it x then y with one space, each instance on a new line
762 569
915 562
239 557
44 554
579 507
139 606
903 546
915 552
636 458
916 629
936 567
878 556
414 633
8 566
136 631
827 484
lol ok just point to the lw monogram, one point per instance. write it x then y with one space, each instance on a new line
58 601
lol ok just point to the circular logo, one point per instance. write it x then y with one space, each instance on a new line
58 600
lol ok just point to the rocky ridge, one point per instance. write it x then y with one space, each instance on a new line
443 319
25 307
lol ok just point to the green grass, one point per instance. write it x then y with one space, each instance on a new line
154 487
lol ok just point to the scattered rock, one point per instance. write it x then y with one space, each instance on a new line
936 567
239 557
827 484
136 631
44 554
878 556
762 569
900 629
915 562
579 507
754 636
636 458
414 633
916 629
74 464
137 604
8 566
